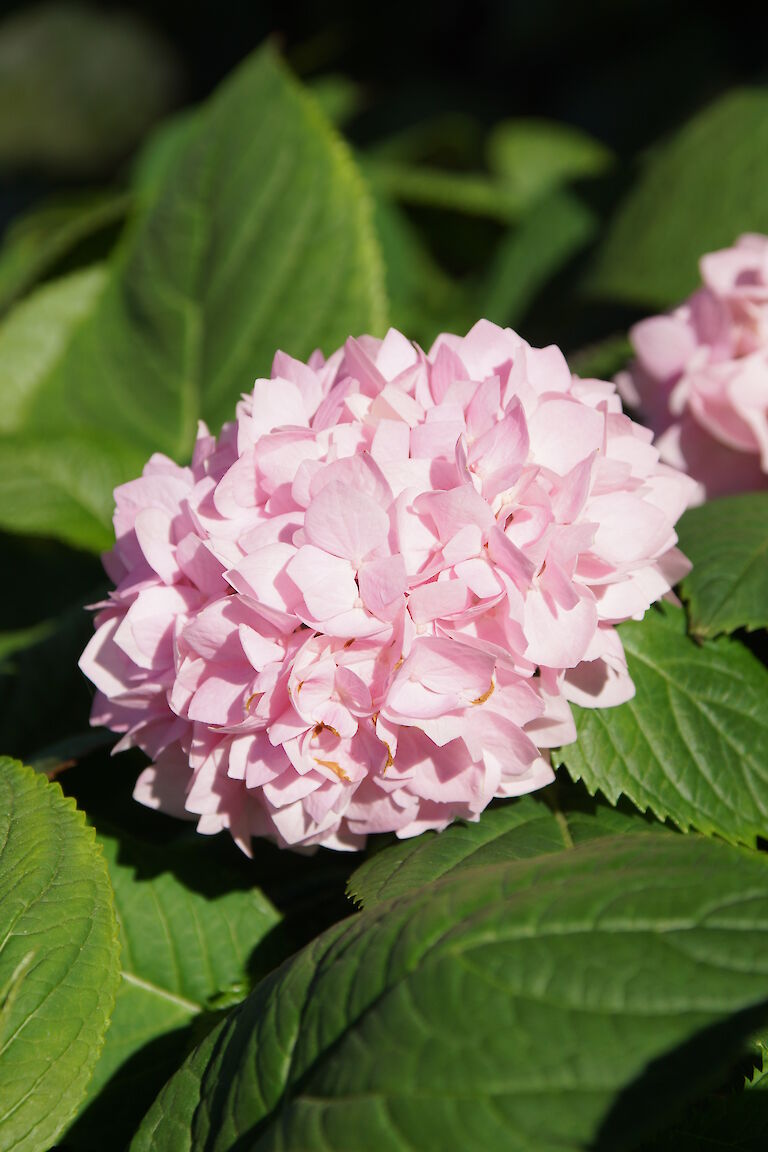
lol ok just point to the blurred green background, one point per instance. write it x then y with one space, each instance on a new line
465 116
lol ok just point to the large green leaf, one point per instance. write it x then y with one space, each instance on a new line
695 194
727 540
514 830
550 1004
189 934
691 744
258 238
58 958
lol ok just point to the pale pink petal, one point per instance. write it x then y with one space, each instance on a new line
564 432
326 582
345 522
382 585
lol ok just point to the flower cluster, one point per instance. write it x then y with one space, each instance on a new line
700 377
366 606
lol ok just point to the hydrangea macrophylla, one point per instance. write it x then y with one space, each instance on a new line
367 605
700 377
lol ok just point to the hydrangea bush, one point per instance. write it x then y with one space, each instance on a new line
452 611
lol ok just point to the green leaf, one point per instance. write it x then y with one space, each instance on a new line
534 157
58 958
514 830
78 87
468 193
690 745
548 236
190 935
161 151
36 338
528 159
535 1004
453 138
424 300
40 240
258 238
727 540
651 252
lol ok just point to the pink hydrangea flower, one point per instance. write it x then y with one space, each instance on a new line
700 377
367 606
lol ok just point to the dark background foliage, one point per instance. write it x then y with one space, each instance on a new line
430 81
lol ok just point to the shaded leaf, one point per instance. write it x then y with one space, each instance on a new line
730 1121
548 236
424 300
44 698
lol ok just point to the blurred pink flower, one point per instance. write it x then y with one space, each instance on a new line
700 377
366 607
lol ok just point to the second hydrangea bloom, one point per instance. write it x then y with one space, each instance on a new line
367 605
700 378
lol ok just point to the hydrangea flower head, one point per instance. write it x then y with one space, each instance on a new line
700 377
367 605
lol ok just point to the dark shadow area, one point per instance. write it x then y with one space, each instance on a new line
44 698
112 1118
41 578
308 889
661 1094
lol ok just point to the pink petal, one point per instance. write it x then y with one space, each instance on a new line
345 522
564 432
558 637
452 510
326 582
382 584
